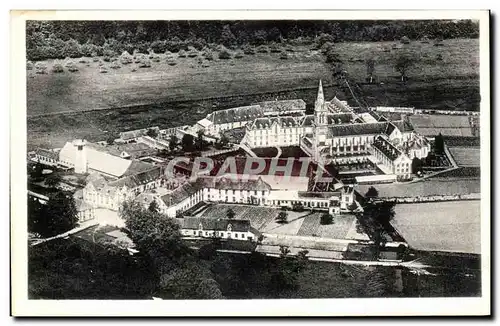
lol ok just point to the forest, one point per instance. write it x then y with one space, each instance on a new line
61 39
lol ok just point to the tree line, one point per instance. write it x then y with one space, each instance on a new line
61 39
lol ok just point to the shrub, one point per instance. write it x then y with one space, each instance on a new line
248 50
275 48
208 54
82 60
115 65
40 68
192 53
107 58
224 54
405 40
182 54
29 65
57 67
95 58
145 63
205 64
134 69
262 49
103 69
289 48
126 58
284 55
171 62
71 66
238 55
326 219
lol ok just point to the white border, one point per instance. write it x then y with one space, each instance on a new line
21 306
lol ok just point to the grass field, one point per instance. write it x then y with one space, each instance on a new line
466 156
259 216
441 226
447 125
430 187
339 229
187 80
169 96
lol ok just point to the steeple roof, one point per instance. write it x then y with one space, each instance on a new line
321 96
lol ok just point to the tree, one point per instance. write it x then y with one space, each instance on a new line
230 214
284 251
370 69
282 217
36 171
187 143
405 40
227 36
57 216
72 49
41 68
326 219
173 142
371 193
53 180
57 67
402 64
297 207
439 144
153 207
224 54
189 281
416 165
199 140
152 133
352 207
284 55
155 235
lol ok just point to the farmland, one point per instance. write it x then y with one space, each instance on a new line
447 125
163 94
466 156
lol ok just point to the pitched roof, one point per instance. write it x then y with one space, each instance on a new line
239 114
342 117
47 153
137 179
387 148
282 106
131 134
193 223
357 129
97 160
137 167
181 193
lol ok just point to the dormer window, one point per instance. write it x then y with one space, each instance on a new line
229 228
200 226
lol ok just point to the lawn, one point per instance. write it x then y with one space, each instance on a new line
339 229
441 226
429 187
466 156
447 125
259 216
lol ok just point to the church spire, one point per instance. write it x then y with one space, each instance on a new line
320 97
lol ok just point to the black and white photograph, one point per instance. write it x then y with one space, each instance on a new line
236 159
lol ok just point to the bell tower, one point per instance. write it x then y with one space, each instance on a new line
320 121
80 156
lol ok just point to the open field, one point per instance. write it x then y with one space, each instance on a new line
187 80
429 187
441 226
447 125
169 96
466 156
339 229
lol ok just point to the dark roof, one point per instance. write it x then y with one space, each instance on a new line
387 148
321 195
138 179
47 153
181 193
233 184
403 125
357 129
137 167
342 117
215 224
390 128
